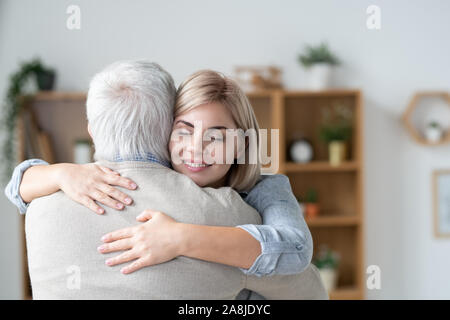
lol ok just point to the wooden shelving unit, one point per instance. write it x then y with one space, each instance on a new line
333 221
340 188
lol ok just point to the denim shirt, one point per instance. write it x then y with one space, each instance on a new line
286 243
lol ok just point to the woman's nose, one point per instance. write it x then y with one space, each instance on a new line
195 148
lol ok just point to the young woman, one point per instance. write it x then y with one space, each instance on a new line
281 245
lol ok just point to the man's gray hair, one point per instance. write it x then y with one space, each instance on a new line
130 110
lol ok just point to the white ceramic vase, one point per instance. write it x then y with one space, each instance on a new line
82 152
319 76
433 134
329 278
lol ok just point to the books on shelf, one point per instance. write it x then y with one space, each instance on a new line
45 147
37 142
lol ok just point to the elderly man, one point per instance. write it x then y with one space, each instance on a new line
62 236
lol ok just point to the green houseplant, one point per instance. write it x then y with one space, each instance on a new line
43 79
318 61
311 204
317 55
336 130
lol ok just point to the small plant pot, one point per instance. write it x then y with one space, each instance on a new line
45 80
311 210
329 278
337 152
433 134
319 76
82 151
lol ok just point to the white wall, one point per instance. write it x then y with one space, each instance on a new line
10 246
409 53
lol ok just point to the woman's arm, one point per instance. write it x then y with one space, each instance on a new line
285 238
161 239
227 245
84 184
13 186
38 181
282 246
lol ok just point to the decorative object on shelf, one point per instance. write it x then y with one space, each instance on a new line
311 205
337 151
82 151
38 142
441 202
327 261
336 131
301 151
318 62
258 77
434 132
18 87
420 118
45 147
46 79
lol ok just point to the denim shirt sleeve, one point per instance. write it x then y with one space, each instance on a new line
286 242
12 188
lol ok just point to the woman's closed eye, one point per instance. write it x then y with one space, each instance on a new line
183 132
214 136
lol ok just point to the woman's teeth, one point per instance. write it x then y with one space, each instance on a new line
196 165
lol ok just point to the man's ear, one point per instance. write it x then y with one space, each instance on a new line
89 130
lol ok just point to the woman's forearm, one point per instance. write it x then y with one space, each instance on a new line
39 181
226 245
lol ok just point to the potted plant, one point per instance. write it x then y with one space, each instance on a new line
43 78
311 205
318 61
336 131
433 131
327 261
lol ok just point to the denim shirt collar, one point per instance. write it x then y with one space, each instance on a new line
243 194
146 157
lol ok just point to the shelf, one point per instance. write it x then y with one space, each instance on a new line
323 166
422 141
59 96
333 221
408 115
260 94
304 93
321 93
346 293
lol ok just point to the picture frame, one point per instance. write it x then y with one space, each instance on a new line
441 203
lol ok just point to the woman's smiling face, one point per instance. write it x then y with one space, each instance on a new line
198 139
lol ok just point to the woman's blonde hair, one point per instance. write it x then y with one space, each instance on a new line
207 86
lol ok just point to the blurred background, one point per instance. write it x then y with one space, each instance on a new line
358 89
